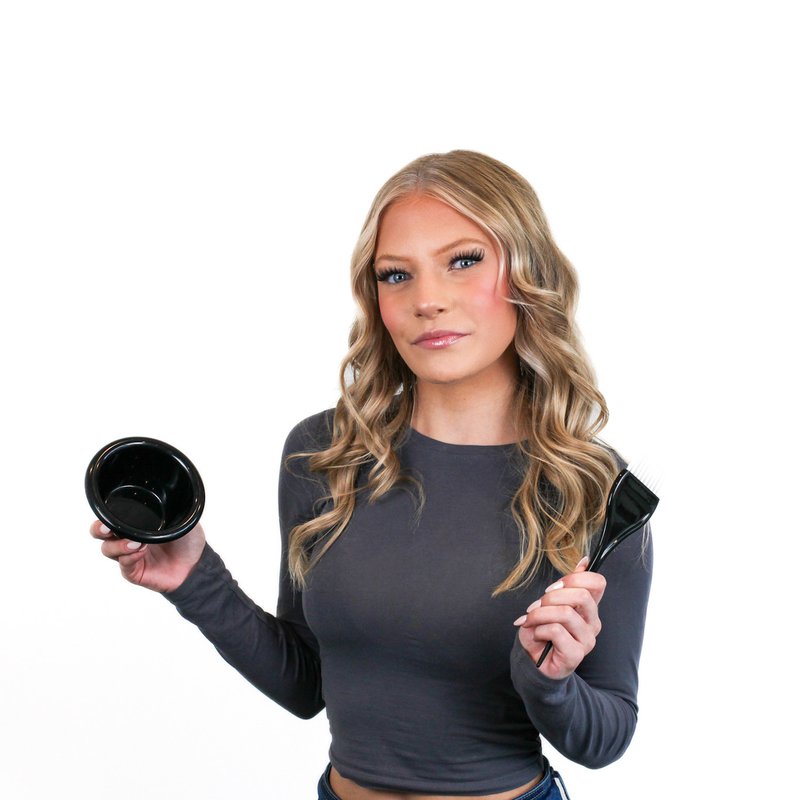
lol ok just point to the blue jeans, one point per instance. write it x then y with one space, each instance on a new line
551 787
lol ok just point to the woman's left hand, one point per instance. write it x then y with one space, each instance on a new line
567 616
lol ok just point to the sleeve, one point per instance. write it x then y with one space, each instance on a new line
278 654
590 716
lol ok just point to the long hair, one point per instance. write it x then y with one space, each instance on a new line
558 409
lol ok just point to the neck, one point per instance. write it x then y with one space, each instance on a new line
465 414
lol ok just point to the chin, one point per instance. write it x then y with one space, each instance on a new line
442 377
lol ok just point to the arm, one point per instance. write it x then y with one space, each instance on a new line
265 649
277 654
590 715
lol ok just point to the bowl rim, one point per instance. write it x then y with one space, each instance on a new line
125 530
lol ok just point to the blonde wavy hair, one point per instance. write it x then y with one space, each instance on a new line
558 409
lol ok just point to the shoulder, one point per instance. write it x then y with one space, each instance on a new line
621 462
310 434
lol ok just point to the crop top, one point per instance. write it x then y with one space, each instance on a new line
426 685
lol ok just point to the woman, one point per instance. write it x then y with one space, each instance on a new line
435 524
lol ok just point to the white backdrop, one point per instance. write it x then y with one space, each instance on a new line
181 186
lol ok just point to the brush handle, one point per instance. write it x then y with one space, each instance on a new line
629 506
597 558
547 648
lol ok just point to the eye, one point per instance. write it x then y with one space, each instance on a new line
392 276
466 260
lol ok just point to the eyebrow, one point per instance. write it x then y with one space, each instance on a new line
457 243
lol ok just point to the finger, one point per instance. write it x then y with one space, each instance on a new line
128 561
578 600
581 600
582 565
563 615
100 531
567 651
593 582
563 626
117 548
589 582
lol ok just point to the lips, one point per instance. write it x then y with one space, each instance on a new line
438 338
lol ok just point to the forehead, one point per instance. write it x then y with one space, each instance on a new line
422 218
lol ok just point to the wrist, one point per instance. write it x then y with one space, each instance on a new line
184 575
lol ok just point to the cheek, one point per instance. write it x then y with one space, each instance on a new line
491 303
505 321
389 314
502 318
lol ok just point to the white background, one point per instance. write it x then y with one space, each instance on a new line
181 186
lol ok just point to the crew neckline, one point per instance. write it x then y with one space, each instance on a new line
459 449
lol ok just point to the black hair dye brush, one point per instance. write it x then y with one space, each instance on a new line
629 506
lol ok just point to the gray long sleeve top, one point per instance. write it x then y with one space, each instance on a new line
426 685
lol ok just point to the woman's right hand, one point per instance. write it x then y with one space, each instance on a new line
160 567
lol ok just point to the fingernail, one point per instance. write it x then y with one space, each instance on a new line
134 545
104 529
521 619
534 605
553 586
584 562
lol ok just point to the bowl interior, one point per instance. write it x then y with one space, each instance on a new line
145 486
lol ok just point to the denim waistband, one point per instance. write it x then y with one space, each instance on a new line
551 786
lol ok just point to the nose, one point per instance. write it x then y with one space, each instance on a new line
430 297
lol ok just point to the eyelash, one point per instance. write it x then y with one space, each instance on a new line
471 255
385 274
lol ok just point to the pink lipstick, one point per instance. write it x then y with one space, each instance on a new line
435 340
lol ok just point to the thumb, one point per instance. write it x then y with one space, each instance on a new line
132 564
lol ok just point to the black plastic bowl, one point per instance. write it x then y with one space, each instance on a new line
145 490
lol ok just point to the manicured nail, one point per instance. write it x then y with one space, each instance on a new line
134 545
521 619
584 562
534 605
104 529
553 586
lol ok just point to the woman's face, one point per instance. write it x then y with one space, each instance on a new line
441 297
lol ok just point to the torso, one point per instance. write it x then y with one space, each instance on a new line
418 690
349 790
